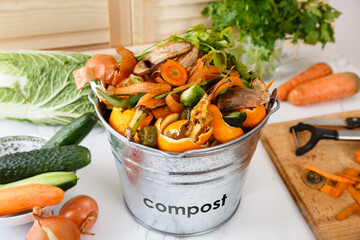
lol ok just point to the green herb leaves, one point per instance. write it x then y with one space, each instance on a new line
265 21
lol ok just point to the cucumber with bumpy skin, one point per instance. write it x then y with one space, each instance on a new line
63 180
21 165
74 132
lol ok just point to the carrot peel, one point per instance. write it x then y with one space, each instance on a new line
355 194
328 175
347 212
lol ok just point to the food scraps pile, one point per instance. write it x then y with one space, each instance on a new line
186 92
335 184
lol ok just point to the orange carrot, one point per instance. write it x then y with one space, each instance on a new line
188 85
144 98
347 212
174 73
25 197
159 80
128 62
331 87
154 103
354 178
329 175
355 194
340 187
227 82
172 100
210 72
236 81
161 112
196 72
352 172
94 68
269 85
234 74
329 190
315 71
144 87
357 155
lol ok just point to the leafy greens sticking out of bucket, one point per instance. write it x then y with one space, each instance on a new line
185 85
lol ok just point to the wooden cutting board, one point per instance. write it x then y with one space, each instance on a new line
318 209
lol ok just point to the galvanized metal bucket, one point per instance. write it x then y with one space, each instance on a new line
183 193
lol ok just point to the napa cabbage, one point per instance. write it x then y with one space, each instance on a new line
38 86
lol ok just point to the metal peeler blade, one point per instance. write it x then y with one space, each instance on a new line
320 133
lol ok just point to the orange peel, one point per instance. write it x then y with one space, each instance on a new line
253 116
120 119
172 123
222 131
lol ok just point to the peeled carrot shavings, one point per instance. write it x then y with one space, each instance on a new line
348 180
329 175
144 87
347 212
357 155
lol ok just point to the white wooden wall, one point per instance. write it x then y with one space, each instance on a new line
93 24
51 24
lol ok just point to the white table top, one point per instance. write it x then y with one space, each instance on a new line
267 211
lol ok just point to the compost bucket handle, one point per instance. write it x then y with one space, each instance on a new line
90 97
269 108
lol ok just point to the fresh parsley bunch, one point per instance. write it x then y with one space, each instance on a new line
265 21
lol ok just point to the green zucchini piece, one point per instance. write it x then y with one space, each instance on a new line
74 132
235 119
63 180
21 165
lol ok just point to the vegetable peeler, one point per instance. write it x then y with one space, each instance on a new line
320 133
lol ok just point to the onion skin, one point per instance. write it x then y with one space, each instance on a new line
83 211
46 227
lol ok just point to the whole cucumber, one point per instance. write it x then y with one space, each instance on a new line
21 165
74 132
63 180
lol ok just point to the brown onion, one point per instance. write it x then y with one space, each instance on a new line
52 227
82 210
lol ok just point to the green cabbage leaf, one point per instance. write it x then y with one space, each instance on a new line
39 87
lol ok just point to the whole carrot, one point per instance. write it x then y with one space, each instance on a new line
25 197
315 71
331 87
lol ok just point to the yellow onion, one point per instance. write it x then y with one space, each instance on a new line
52 227
83 211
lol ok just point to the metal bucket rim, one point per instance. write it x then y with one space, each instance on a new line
191 153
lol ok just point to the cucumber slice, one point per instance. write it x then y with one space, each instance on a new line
235 119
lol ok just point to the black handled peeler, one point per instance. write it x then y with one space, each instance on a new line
320 133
